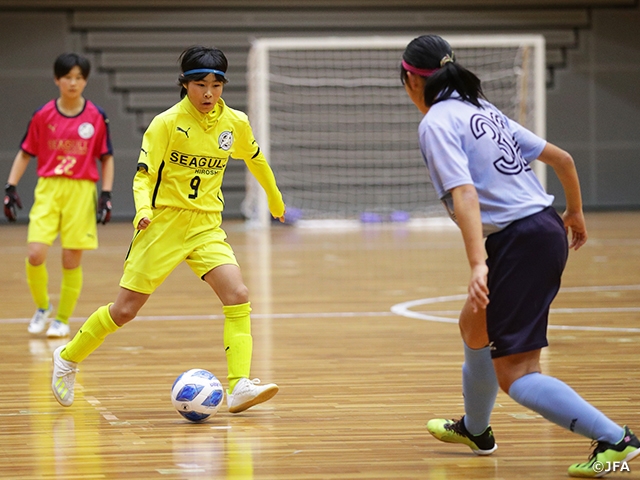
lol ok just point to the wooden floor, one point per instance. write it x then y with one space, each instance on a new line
358 381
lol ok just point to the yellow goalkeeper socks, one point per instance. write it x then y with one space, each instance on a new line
69 293
90 336
238 343
38 280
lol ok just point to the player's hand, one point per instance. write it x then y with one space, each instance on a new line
575 223
144 223
11 201
478 290
281 218
104 208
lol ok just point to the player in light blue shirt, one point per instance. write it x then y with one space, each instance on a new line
455 132
479 161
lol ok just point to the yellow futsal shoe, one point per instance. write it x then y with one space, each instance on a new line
452 431
607 457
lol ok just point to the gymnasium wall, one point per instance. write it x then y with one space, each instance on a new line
593 70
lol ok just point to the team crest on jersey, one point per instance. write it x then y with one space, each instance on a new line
86 130
225 140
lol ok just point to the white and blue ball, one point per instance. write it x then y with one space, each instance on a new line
197 394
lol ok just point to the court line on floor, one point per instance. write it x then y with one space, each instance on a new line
148 318
404 309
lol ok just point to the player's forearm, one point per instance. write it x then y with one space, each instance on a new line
20 164
108 169
565 169
261 170
142 196
571 186
467 210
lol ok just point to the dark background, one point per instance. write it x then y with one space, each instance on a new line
593 69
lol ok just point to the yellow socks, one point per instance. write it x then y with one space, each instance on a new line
90 336
238 343
69 293
38 280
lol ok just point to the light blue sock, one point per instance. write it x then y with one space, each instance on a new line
559 403
479 387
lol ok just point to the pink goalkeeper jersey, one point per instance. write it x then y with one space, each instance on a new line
68 146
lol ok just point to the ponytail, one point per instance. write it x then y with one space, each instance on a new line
430 56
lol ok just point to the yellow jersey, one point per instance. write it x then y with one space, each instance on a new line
184 155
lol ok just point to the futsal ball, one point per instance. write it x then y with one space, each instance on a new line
197 394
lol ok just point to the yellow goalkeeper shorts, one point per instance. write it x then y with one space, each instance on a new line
175 235
67 207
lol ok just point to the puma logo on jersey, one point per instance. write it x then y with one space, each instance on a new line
144 151
186 132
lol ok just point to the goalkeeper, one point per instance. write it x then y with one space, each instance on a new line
179 203
66 135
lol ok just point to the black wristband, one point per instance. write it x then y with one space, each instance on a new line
8 188
105 195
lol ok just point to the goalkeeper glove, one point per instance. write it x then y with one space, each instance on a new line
104 208
11 201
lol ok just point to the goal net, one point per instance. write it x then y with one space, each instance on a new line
340 133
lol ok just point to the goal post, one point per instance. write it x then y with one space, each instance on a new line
340 133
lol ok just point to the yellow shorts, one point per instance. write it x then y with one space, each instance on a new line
66 206
175 235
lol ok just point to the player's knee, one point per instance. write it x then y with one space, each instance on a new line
238 295
505 384
36 257
474 338
122 314
507 375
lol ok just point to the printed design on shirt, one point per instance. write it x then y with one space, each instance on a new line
68 146
51 127
511 162
86 130
225 140
186 132
65 165
203 165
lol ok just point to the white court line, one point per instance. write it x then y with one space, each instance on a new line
221 317
404 309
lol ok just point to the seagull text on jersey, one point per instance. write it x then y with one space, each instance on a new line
202 165
69 147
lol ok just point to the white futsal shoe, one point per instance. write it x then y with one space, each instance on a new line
57 329
64 378
39 320
248 393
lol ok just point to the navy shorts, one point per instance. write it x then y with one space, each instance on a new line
525 261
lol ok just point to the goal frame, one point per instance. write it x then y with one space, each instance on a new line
257 212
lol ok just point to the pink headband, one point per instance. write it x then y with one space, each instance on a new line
418 71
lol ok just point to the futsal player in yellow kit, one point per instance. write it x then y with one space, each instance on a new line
178 199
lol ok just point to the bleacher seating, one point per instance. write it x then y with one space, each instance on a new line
137 42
